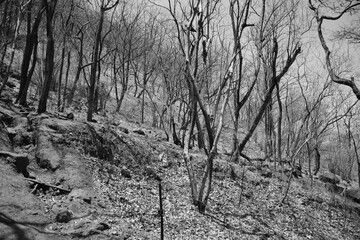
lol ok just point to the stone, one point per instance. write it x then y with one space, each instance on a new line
251 168
150 172
140 132
329 178
353 194
19 161
81 194
126 173
334 188
124 130
10 83
70 116
63 217
266 173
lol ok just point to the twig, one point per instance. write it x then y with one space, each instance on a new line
33 190
48 185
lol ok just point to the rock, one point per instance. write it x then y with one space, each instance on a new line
81 194
63 217
329 178
10 83
140 132
70 116
353 193
6 118
334 188
19 161
152 173
124 130
266 173
86 229
47 156
126 173
101 226
251 168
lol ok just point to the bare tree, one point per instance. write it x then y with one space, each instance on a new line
194 41
343 7
105 5
127 40
274 20
239 22
31 46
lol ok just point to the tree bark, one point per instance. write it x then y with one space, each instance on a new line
49 59
30 50
94 66
78 71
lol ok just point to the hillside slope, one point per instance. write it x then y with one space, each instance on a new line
69 179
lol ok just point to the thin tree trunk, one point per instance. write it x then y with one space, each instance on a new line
66 81
61 72
78 72
275 80
279 144
17 27
94 66
49 62
30 50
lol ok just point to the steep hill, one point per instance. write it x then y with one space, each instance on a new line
69 179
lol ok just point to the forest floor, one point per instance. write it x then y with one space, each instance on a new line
69 179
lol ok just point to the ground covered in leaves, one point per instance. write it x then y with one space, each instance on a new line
105 176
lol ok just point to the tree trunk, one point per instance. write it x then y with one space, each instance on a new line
78 72
30 50
61 72
94 66
279 140
121 98
66 81
275 80
49 60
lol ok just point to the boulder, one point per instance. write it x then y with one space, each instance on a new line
329 178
